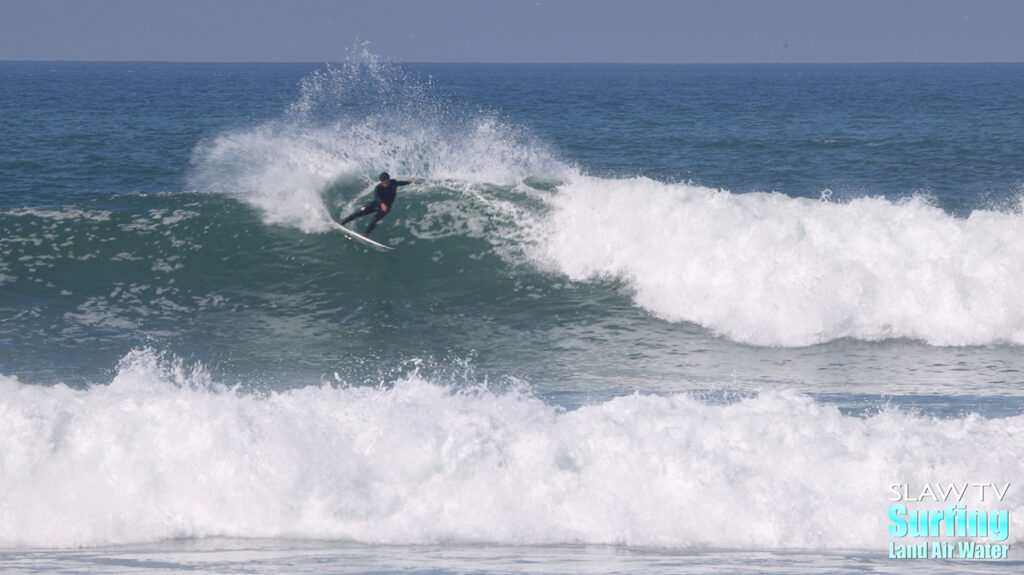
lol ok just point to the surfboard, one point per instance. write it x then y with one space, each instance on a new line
361 239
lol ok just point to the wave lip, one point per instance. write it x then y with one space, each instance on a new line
767 269
162 452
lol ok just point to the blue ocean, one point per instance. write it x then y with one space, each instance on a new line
643 319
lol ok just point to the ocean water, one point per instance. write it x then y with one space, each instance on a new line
650 319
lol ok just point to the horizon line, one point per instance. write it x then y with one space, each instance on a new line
519 63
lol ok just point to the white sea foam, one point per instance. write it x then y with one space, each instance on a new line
162 452
61 215
768 269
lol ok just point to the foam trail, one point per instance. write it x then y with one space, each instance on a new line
768 269
162 452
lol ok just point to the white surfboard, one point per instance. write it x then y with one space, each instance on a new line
360 238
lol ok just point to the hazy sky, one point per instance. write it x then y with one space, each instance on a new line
678 31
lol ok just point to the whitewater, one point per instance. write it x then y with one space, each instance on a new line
163 452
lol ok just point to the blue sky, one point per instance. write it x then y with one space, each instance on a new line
650 31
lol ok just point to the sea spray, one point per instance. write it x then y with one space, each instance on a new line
349 123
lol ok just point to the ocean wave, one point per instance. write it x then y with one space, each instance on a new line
768 269
163 452
757 268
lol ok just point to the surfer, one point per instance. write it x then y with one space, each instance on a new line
383 199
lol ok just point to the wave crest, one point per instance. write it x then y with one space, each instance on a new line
768 269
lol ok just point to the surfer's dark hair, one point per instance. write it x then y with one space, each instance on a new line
384 176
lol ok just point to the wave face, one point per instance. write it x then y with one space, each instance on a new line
760 269
165 452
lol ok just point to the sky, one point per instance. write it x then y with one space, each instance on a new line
527 31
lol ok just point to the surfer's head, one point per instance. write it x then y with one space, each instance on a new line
384 176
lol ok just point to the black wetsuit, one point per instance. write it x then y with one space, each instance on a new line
382 195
